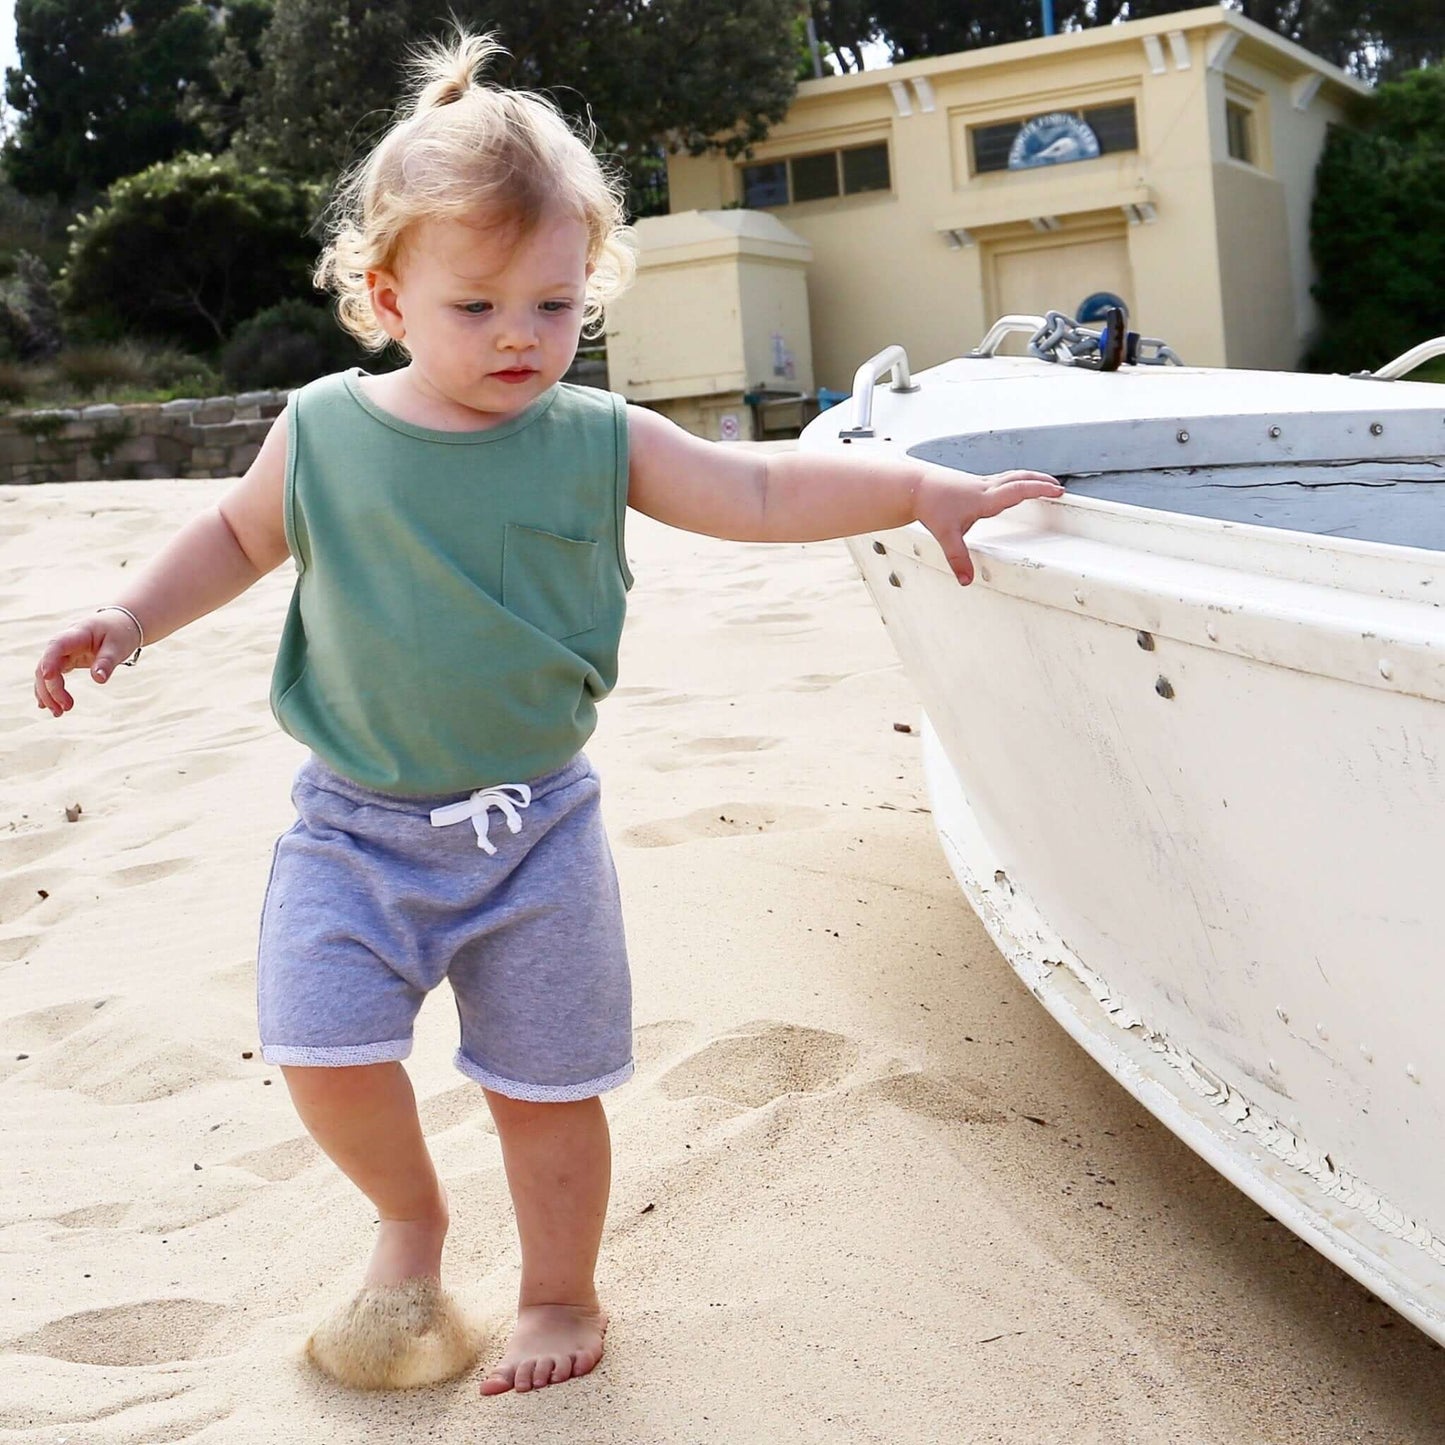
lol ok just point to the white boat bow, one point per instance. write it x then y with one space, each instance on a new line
1184 744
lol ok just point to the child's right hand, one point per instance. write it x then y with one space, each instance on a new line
99 642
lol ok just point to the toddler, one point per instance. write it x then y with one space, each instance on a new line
457 532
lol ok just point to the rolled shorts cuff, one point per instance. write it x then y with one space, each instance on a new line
388 1052
542 1093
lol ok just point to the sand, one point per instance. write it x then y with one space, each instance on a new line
865 1189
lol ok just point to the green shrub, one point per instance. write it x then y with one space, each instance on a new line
128 366
185 250
1377 230
29 316
286 345
14 382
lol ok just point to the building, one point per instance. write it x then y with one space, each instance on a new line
1168 161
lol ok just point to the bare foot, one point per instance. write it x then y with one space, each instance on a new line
551 1343
409 1248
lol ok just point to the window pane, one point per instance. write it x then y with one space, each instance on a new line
991 145
1239 122
1115 127
866 169
766 185
815 177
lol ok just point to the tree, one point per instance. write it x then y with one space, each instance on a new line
1372 38
99 89
1377 229
694 73
188 248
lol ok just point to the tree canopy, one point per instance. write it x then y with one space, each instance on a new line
682 71
1372 38
101 88
1378 228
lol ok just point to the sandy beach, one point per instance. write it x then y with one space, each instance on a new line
864 1188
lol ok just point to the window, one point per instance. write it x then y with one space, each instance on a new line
1114 126
814 178
818 177
1239 125
765 185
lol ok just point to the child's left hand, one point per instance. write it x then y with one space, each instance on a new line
949 502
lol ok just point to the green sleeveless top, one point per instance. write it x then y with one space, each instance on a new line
459 596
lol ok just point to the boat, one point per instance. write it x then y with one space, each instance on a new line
1184 742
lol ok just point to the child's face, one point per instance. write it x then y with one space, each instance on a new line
490 324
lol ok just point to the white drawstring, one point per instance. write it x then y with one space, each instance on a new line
478 806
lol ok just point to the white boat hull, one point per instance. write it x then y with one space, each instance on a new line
1188 772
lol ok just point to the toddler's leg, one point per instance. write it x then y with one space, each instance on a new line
364 1118
401 1329
558 1159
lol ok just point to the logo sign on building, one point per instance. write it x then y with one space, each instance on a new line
1052 140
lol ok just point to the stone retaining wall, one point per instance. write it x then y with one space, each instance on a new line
216 437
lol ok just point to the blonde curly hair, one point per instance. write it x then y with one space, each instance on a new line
462 147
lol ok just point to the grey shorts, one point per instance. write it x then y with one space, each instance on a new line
371 905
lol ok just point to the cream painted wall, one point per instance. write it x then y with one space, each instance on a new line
1260 325
1221 271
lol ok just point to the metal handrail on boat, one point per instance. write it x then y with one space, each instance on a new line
891 358
1405 364
1004 327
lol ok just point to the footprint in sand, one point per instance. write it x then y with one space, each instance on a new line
138 873
722 820
771 618
149 1332
949 1099
279 1162
761 1062
31 1033
453 1107
93 1216
25 890
694 750
123 1061
15 946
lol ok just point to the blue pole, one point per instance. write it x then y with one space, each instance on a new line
1048 17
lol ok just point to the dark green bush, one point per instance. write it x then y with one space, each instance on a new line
14 382
1377 230
184 251
286 345
29 316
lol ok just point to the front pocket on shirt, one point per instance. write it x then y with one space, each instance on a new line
550 581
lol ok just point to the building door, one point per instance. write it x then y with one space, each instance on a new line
1046 274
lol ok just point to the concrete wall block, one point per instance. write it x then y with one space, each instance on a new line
135 449
88 469
181 406
104 411
208 458
217 409
16 450
241 457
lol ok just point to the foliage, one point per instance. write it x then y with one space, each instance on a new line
1373 38
1378 229
29 316
99 89
286 345
34 225
695 73
189 248
127 372
218 108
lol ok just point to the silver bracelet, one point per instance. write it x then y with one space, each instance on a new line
139 630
